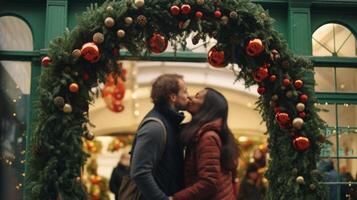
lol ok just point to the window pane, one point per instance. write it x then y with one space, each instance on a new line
347 115
346 79
324 77
15 34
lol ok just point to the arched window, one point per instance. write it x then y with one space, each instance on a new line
333 40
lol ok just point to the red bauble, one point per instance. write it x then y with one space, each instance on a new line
73 87
46 61
261 90
199 14
272 78
286 82
302 114
301 143
255 47
117 106
217 14
260 74
185 9
90 52
282 118
119 91
304 98
175 10
158 43
216 58
298 84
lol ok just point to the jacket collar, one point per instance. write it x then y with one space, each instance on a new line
215 125
170 114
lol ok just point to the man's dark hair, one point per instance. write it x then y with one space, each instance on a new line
163 87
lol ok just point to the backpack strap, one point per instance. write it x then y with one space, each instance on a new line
163 143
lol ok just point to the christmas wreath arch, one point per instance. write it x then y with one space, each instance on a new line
244 34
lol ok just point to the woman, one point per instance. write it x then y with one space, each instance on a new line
212 152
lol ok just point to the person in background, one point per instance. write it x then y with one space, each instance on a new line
251 187
119 171
330 175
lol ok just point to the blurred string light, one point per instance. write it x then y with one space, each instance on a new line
10 159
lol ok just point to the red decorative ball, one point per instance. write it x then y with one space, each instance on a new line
217 14
90 52
119 91
282 118
216 58
301 143
117 106
261 90
73 87
185 9
302 114
255 47
260 74
46 61
158 43
298 84
199 14
286 82
272 78
175 10
304 98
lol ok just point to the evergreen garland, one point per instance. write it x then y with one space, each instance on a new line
57 155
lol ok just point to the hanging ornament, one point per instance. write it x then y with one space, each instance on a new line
289 94
282 118
260 74
158 43
90 52
300 107
128 21
76 53
261 90
175 10
141 20
89 135
185 9
73 87
121 33
200 2
95 179
109 22
117 106
300 180
274 55
233 15
272 78
301 143
312 187
224 20
98 38
286 82
304 98
59 101
218 13
302 115
109 8
67 108
199 14
113 92
298 84
255 47
46 61
298 123
216 58
275 97
139 3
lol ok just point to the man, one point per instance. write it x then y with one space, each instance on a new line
157 171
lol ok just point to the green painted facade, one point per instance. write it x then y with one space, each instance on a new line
296 20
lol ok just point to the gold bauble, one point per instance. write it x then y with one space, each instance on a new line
109 22
225 20
98 38
300 180
67 108
200 2
298 122
76 53
128 20
120 33
300 107
139 3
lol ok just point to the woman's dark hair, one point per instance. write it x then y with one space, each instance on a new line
163 87
215 106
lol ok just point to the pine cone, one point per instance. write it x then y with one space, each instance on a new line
141 20
196 39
